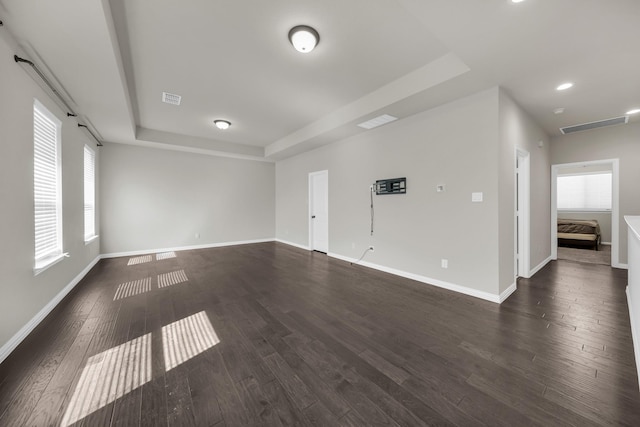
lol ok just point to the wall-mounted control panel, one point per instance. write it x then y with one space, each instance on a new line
391 186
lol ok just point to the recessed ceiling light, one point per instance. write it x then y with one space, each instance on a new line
222 124
304 38
517 1
634 111
558 111
565 86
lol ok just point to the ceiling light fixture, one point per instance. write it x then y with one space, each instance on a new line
634 111
565 86
304 38
222 124
517 1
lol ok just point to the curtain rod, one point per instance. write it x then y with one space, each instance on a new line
90 133
70 112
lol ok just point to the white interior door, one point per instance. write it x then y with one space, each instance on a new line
319 211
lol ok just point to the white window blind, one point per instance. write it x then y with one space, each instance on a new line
46 186
585 192
89 193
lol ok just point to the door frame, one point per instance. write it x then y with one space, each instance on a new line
310 213
615 206
522 232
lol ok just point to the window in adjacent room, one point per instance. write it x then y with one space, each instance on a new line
46 187
89 194
585 192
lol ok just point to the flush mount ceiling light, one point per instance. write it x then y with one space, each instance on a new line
634 111
517 1
565 86
304 38
222 124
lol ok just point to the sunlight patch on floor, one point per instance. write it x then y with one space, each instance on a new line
172 278
140 260
130 289
108 376
186 338
165 255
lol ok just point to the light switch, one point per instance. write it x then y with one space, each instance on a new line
476 197
440 188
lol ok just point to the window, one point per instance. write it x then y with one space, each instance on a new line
46 187
586 192
89 194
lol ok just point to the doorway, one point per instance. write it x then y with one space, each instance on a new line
319 211
584 168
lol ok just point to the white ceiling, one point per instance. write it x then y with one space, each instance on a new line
229 59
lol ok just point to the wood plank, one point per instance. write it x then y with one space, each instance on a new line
287 412
153 406
296 389
232 407
261 411
179 404
127 409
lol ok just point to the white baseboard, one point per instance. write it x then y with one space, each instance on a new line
622 266
507 292
539 267
306 248
634 332
15 340
184 248
428 280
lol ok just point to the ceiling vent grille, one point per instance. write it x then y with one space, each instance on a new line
377 121
595 125
171 98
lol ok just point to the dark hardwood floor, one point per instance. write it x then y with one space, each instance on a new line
267 334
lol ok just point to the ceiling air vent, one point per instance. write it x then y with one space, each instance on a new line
377 121
171 98
595 125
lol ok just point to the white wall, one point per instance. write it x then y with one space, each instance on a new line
455 145
518 130
23 294
615 142
154 199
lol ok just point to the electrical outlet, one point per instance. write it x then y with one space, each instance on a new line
444 263
371 248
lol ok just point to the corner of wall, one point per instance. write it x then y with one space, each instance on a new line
518 130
